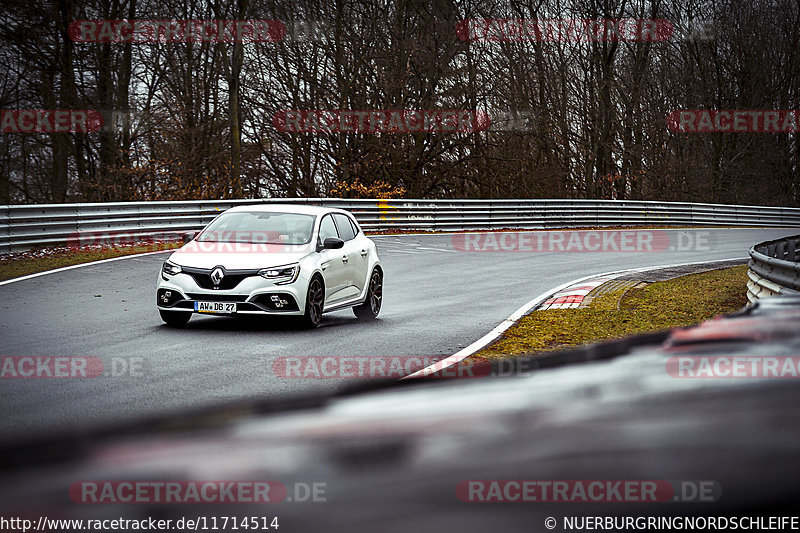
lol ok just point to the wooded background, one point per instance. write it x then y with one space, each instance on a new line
199 115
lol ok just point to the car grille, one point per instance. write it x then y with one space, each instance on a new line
217 297
232 278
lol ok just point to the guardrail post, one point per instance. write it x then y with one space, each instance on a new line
780 250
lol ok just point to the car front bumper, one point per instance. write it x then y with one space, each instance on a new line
253 295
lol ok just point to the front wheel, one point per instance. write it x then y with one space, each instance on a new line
372 305
315 301
175 319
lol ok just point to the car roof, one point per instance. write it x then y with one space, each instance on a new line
288 208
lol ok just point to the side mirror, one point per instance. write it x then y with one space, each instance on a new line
189 236
332 243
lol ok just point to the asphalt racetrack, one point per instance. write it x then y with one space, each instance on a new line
437 299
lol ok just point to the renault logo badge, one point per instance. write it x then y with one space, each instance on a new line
216 276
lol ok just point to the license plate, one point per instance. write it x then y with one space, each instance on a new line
215 307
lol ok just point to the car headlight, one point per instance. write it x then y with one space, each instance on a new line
281 274
171 268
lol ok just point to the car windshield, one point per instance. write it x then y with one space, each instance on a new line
260 227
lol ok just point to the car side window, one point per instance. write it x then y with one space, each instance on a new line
345 228
327 229
355 226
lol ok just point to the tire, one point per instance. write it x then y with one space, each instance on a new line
175 319
315 303
372 305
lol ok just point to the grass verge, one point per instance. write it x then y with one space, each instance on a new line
16 265
681 301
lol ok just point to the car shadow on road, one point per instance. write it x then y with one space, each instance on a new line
340 319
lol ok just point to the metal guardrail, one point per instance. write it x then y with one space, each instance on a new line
774 268
27 226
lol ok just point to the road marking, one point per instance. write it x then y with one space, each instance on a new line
522 311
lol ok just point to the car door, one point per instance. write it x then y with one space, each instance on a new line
356 256
334 268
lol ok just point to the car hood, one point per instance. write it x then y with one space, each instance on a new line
238 257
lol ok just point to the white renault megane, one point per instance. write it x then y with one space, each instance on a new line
273 260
